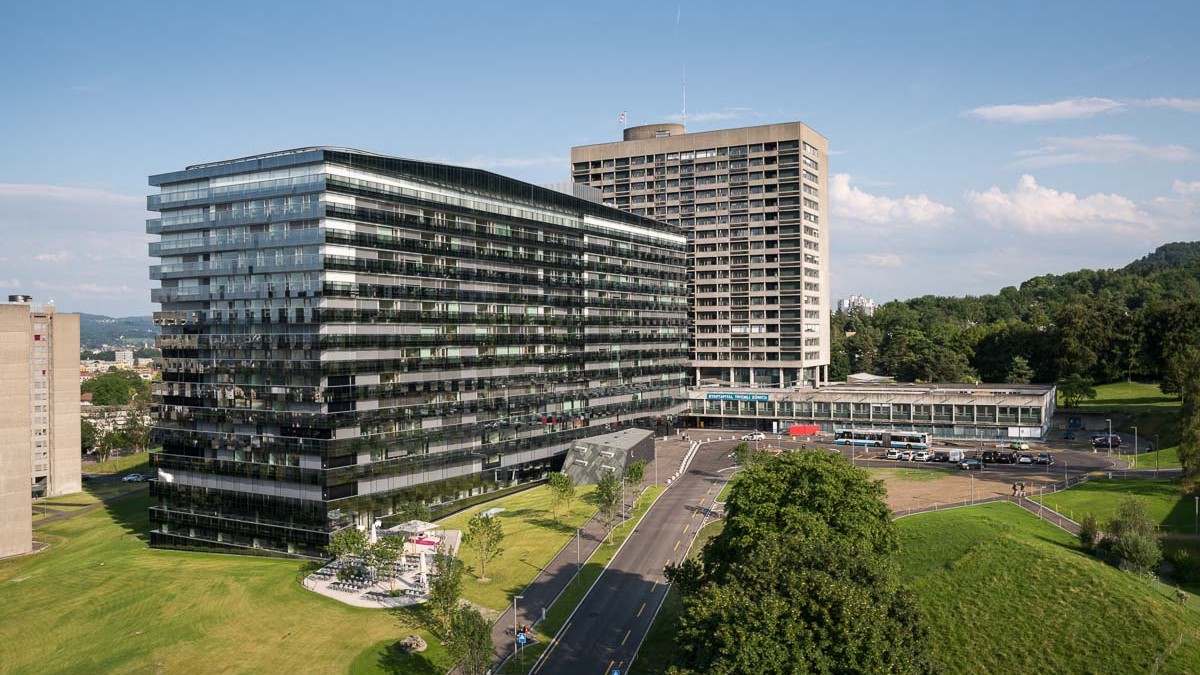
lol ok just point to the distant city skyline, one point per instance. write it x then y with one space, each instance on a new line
972 147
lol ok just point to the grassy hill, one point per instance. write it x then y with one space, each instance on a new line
96 330
1005 593
1162 499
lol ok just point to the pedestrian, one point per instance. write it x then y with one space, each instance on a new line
1014 488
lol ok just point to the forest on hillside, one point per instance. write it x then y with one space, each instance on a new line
1137 322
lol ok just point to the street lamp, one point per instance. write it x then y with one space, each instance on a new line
515 638
1109 437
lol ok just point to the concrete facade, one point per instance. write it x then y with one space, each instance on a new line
754 204
16 435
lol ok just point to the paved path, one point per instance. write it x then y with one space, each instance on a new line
63 515
610 623
561 571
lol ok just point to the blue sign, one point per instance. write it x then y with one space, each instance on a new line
737 397
521 638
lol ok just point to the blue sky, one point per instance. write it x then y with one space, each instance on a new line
974 144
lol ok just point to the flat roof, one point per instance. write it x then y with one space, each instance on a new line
894 388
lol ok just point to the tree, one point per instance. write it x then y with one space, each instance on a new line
137 429
348 542
1187 365
608 496
801 579
88 435
562 489
484 536
445 589
745 455
1134 537
113 439
1074 388
1019 372
470 643
635 473
1089 530
383 554
413 511
118 387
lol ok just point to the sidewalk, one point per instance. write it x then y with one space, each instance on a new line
560 572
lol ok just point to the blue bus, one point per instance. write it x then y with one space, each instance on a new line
879 438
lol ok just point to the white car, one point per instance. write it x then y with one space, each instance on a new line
922 456
754 436
1025 459
135 478
893 454
907 456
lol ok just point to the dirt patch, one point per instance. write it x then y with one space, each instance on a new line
953 487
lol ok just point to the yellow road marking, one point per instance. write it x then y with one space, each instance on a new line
694 514
626 636
640 609
546 656
609 668
676 547
655 586
686 527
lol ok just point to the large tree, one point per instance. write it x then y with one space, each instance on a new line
608 496
119 387
562 490
470 643
445 589
801 579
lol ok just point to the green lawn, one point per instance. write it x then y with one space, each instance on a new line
532 537
1167 458
724 493
139 461
1127 397
566 603
1161 497
658 649
1004 592
100 601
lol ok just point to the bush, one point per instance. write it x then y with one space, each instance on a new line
1089 530
1185 567
1135 537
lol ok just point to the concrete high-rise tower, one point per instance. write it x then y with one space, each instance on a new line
754 205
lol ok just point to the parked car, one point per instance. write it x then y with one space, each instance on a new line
135 478
922 456
1005 458
1024 459
989 456
971 464
1045 458
1019 445
941 456
1106 440
754 436
907 455
893 454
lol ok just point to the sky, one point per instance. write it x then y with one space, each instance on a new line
972 145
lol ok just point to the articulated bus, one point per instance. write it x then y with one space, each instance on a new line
878 438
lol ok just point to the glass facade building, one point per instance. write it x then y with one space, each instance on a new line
345 332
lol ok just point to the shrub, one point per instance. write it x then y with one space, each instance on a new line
1089 530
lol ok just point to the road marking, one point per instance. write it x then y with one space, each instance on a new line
676 547
554 645
694 514
609 668
626 638
655 586
640 609
686 527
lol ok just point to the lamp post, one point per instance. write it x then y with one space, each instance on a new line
515 639
1156 454
578 564
1109 437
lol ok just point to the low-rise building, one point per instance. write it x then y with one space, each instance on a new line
976 411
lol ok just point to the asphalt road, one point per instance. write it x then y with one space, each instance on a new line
608 626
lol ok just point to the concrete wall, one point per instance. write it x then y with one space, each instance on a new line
16 463
64 406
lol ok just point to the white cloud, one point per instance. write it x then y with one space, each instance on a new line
1069 109
1105 148
851 203
881 260
10 283
1180 187
54 256
1032 208
485 162
722 115
1189 105
66 193
83 289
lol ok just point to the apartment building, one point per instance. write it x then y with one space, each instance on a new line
753 203
39 413
344 332
853 302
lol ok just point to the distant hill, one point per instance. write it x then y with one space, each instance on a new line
96 330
